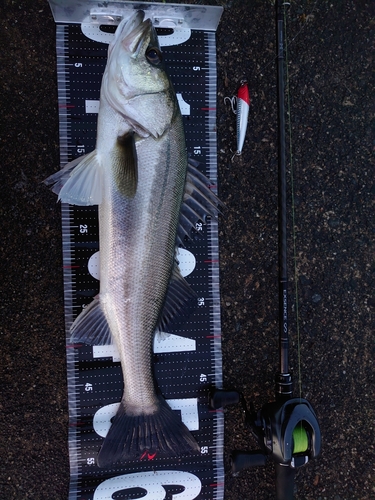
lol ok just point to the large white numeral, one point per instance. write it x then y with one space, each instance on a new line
168 342
153 483
186 263
188 408
92 106
179 35
184 106
189 411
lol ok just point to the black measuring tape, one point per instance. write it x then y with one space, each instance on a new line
187 363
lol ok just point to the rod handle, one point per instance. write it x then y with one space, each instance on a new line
284 482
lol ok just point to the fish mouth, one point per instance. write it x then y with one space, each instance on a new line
132 22
132 31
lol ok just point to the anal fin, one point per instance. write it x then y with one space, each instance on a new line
91 326
179 302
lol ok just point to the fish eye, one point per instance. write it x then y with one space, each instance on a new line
154 56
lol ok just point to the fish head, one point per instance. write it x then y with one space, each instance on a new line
135 82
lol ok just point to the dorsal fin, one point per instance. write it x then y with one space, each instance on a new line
199 202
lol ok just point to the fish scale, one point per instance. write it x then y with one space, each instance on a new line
95 382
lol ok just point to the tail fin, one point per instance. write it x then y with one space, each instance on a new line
135 437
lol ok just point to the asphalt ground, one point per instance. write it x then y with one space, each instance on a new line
331 88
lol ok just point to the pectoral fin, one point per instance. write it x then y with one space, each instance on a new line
79 182
125 165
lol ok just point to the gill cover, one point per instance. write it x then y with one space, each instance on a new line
135 83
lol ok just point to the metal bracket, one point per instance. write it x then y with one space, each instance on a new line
107 16
163 15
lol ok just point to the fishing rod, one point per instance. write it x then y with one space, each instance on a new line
287 429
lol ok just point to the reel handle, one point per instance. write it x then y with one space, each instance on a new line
241 460
220 398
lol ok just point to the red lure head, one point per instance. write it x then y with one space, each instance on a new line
243 91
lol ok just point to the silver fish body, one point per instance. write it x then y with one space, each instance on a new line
137 247
140 178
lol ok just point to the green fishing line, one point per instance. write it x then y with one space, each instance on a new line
300 439
291 160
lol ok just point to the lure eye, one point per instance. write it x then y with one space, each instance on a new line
154 56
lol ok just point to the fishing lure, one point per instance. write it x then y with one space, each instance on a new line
240 106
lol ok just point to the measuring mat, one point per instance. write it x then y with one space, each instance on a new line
187 362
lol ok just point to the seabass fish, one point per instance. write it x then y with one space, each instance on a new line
149 199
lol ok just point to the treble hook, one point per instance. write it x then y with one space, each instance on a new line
240 106
233 103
